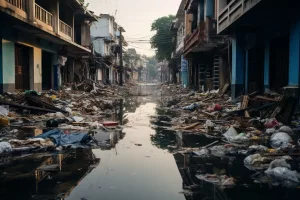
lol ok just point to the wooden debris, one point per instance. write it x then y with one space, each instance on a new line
266 98
191 126
244 106
15 105
224 89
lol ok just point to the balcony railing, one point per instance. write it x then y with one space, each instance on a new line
65 28
18 3
233 11
43 15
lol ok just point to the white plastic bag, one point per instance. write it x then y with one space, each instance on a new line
286 176
280 140
3 111
5 147
231 132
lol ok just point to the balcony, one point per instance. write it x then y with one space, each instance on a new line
45 18
233 11
65 30
203 38
194 39
21 4
15 7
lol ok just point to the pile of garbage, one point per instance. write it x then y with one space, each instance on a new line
59 119
259 130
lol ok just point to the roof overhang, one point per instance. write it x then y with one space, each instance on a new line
34 29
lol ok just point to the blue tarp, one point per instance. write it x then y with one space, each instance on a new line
61 139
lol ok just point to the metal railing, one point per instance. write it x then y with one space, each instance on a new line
43 15
65 28
18 3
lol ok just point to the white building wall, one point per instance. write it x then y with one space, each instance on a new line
100 28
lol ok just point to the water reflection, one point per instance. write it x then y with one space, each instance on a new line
44 176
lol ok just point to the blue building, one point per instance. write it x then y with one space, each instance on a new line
265 43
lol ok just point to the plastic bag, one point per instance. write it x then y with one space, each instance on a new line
5 147
280 140
241 138
260 148
271 130
271 123
78 119
280 163
231 132
3 111
254 159
286 129
191 107
286 176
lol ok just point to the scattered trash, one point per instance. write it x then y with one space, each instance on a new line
5 147
284 176
191 107
61 139
223 181
280 140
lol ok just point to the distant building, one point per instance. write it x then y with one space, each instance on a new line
105 40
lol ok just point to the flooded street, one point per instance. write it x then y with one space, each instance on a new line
135 169
136 165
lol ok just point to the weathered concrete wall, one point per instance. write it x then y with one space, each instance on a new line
8 66
10 37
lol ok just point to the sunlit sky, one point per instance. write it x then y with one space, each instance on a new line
136 16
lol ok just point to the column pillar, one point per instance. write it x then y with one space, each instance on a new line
1 65
8 66
294 55
31 10
209 8
238 66
247 71
55 12
267 65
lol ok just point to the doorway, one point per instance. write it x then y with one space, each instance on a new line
46 70
279 62
256 69
22 72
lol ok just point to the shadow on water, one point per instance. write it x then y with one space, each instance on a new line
45 176
131 168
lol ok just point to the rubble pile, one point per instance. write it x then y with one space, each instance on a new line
62 119
255 135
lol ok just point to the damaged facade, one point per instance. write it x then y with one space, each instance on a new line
265 45
105 40
44 45
236 42
202 46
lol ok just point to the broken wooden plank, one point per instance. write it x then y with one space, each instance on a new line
191 126
224 89
16 105
267 98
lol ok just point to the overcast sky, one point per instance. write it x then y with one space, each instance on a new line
136 16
